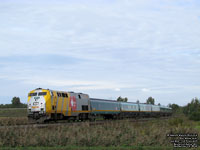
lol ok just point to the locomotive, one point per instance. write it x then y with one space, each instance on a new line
45 104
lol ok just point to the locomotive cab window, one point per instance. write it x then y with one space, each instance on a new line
32 94
42 93
59 94
64 95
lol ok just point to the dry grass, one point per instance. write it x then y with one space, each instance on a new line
13 116
7 121
113 133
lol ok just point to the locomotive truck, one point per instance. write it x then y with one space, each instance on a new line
45 104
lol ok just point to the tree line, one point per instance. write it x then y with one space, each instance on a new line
15 103
192 109
150 100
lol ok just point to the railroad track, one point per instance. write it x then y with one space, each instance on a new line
90 123
44 125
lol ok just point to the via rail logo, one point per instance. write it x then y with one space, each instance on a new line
36 98
72 103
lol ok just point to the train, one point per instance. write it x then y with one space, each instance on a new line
45 105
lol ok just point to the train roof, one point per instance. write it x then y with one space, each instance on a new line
165 107
129 102
60 91
98 99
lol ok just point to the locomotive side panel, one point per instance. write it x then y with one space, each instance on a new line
65 104
53 101
78 103
58 103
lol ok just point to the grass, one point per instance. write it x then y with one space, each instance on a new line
13 112
8 121
114 134
13 116
91 148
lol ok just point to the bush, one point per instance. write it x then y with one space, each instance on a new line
175 122
195 116
112 133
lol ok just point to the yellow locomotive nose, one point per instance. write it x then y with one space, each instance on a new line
39 104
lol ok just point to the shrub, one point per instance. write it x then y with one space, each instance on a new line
111 133
175 121
195 116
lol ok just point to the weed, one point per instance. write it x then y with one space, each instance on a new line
113 133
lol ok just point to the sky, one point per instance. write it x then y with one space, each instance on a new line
128 48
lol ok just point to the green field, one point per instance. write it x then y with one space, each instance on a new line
13 112
13 116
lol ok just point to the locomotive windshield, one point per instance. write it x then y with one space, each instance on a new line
42 93
32 94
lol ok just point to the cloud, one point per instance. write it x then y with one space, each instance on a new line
145 90
149 47
117 89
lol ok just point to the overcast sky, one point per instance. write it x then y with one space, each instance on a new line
105 48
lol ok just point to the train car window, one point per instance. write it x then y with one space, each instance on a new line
32 94
66 95
79 96
42 93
